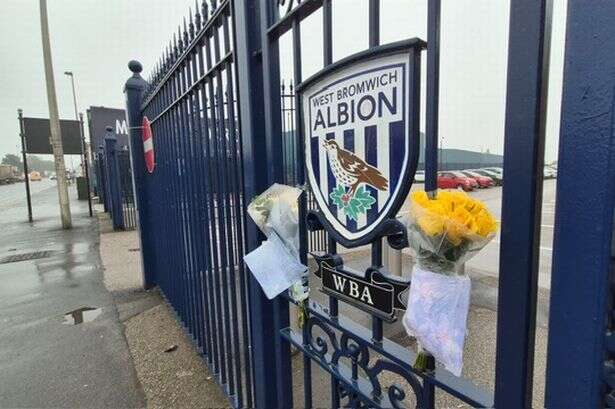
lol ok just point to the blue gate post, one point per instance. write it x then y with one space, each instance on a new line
113 179
580 368
272 375
102 187
526 96
134 88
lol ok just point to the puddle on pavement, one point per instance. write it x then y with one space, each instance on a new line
80 315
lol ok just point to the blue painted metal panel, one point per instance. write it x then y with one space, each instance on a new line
191 208
580 347
528 51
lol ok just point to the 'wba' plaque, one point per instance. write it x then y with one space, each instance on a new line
360 126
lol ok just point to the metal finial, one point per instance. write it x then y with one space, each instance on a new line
186 38
197 15
135 66
191 25
204 11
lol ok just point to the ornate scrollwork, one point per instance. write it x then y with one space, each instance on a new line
318 344
395 393
334 347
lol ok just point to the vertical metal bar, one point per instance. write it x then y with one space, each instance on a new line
271 102
86 166
24 157
219 206
234 208
327 24
580 343
433 96
243 280
374 23
256 145
526 99
327 34
299 154
211 205
196 175
374 40
188 192
202 163
227 250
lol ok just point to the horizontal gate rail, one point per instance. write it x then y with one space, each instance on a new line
460 388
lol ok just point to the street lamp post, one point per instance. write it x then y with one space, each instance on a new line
72 81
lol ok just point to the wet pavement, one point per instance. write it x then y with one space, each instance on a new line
43 361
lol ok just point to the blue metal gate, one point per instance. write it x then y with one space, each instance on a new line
191 207
221 122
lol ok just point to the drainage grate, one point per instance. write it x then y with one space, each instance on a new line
25 257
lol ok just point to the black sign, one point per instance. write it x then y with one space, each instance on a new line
99 118
375 292
38 136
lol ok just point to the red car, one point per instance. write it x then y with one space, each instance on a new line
455 180
483 181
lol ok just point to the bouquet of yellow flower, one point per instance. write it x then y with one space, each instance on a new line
444 232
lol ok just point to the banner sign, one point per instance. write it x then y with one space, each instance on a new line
38 136
374 293
99 118
360 126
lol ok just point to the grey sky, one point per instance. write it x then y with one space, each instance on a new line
96 38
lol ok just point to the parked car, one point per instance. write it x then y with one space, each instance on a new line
53 176
419 176
482 180
497 177
450 180
35 176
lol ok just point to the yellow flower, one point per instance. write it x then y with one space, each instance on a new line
453 213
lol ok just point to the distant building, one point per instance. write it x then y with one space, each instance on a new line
452 159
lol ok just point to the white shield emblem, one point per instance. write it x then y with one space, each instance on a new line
360 125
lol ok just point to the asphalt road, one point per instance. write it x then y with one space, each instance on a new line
45 361
488 260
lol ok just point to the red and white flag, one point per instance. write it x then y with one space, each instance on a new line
148 145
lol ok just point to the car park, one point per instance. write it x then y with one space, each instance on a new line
482 180
497 177
450 180
419 176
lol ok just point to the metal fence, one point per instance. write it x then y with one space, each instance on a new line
126 190
115 184
317 240
191 206
217 112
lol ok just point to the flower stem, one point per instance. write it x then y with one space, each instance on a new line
421 361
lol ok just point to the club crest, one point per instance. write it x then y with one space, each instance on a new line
360 126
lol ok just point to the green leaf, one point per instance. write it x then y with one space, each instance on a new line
352 210
336 196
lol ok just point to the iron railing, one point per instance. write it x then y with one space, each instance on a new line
192 204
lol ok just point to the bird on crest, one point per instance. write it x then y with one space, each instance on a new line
350 170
